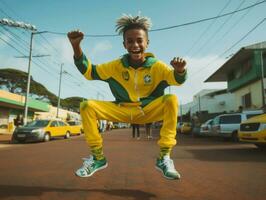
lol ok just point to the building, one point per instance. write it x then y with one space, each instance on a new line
215 101
209 103
12 105
244 73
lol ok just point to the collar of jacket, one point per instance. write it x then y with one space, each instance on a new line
150 60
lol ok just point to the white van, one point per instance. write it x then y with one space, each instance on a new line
228 125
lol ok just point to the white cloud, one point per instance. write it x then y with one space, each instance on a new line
100 48
199 69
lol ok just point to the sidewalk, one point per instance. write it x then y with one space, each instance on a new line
5 138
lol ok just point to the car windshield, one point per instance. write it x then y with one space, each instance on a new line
38 123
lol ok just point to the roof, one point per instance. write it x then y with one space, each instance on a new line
245 52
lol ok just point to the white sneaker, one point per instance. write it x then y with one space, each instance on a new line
90 166
167 167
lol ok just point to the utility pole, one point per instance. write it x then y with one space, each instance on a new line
181 112
199 104
28 83
262 78
17 24
59 91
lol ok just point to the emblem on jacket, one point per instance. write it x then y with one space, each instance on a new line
125 75
147 79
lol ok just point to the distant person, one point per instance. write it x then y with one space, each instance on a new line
135 128
148 130
18 121
137 81
109 126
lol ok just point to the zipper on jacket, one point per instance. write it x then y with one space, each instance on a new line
135 84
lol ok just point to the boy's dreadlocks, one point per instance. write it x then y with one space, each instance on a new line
127 22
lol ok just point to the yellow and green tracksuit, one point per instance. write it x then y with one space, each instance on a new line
139 96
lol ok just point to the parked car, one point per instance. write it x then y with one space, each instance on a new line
75 127
205 128
253 131
41 130
228 125
185 128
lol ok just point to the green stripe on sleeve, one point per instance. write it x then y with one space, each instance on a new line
94 73
81 63
180 77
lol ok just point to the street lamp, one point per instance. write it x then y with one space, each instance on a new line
12 23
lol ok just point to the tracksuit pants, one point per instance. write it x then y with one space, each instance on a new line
164 109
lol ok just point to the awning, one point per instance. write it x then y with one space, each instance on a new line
33 105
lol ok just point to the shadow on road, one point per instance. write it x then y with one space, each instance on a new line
229 154
7 191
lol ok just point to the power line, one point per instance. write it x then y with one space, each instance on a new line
32 61
232 27
15 41
40 61
207 19
171 27
255 27
241 39
217 30
12 46
207 29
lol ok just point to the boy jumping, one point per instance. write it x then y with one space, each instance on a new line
137 81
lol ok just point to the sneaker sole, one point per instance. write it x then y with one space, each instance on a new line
100 168
158 168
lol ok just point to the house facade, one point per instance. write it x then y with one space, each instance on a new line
12 105
209 103
244 73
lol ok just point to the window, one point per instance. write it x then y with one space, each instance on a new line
230 119
246 100
61 123
216 120
53 124
246 67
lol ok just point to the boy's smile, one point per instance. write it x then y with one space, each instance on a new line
136 42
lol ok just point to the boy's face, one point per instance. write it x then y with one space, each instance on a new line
136 42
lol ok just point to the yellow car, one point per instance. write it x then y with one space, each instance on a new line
253 131
41 130
75 127
185 128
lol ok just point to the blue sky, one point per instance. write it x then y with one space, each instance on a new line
200 44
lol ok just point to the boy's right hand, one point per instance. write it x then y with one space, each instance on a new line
75 37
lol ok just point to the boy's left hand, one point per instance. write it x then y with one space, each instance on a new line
178 64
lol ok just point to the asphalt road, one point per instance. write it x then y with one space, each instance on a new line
211 169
